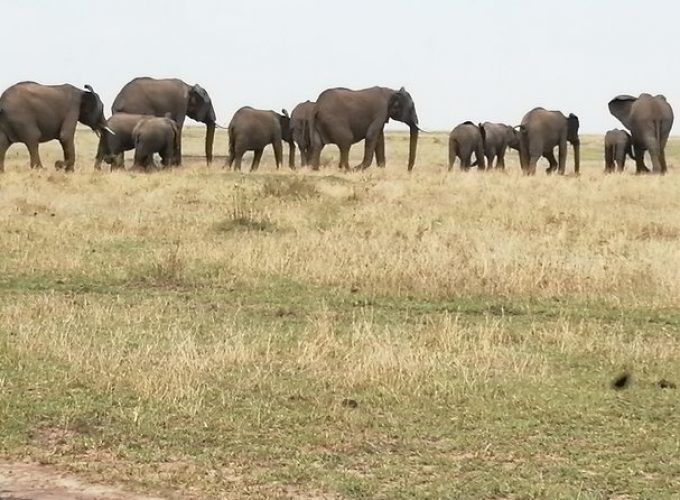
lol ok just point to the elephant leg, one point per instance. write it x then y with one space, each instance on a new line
256 159
531 166
500 159
562 162
69 148
662 160
640 167
291 155
608 160
178 154
344 156
278 152
380 150
550 156
466 161
453 152
34 154
118 160
481 160
4 146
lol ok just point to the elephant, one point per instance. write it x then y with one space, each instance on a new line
252 130
33 113
299 129
344 117
111 147
540 131
156 97
465 139
155 135
617 144
649 120
498 137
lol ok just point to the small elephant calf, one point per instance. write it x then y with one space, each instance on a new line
156 135
617 144
252 130
465 139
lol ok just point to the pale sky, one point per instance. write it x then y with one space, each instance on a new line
478 60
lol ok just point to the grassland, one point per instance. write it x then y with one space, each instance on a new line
198 333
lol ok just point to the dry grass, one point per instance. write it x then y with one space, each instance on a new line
212 334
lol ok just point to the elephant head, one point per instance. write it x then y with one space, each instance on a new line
91 111
512 137
200 108
401 107
572 137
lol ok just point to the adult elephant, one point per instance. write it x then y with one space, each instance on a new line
112 145
158 97
155 135
299 128
33 113
344 117
253 129
540 132
498 137
617 144
465 139
649 119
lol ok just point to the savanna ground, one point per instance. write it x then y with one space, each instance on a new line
199 333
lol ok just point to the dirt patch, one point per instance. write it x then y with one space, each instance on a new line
20 481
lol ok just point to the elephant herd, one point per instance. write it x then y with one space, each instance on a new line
148 115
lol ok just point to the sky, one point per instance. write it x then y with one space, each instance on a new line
482 60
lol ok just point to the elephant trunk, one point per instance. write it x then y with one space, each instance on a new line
577 156
412 147
209 139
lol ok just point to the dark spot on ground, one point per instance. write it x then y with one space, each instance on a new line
621 382
349 403
666 384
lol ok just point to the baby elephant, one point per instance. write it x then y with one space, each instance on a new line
252 130
498 137
617 144
155 135
112 147
465 139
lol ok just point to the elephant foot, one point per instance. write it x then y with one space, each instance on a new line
58 165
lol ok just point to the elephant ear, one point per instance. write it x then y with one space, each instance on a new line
482 132
572 128
621 107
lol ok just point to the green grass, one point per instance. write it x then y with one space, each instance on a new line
203 334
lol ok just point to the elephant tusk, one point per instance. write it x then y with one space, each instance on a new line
217 125
109 130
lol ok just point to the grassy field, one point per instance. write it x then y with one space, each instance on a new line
199 333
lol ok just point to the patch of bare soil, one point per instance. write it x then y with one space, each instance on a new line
20 481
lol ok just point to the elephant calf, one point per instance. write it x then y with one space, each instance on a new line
465 139
617 144
498 137
112 146
155 135
300 131
252 130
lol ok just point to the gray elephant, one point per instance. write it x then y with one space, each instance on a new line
540 132
252 130
33 113
344 117
649 119
155 135
149 96
112 146
498 137
465 139
299 129
617 144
